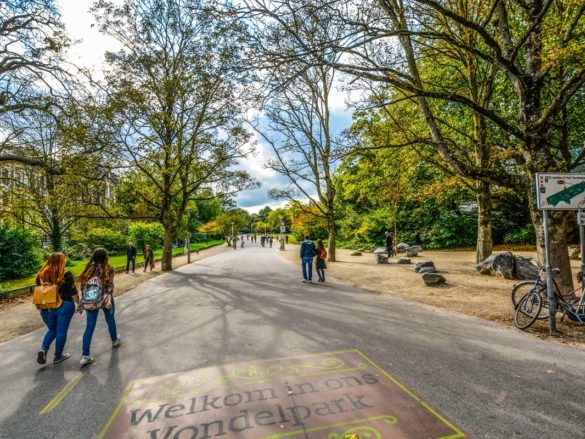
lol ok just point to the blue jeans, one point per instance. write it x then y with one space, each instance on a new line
320 273
307 266
57 320
91 322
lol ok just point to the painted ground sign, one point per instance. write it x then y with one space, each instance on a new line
561 191
337 395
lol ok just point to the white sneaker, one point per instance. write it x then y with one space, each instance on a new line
117 343
86 360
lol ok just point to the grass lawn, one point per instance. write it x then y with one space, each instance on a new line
117 261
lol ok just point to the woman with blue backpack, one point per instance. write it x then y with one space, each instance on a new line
97 292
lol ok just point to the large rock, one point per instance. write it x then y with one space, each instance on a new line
401 248
433 279
411 252
417 248
420 265
380 251
501 264
427 270
403 261
574 252
381 259
525 269
509 266
356 253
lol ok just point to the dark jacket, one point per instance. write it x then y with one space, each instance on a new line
68 289
131 252
148 255
388 241
308 249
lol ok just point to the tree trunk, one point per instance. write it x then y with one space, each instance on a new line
484 222
56 232
331 244
167 257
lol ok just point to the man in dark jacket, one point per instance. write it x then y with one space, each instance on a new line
308 251
130 257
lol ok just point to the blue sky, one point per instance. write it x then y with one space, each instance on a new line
89 52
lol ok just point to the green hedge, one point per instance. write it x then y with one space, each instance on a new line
18 252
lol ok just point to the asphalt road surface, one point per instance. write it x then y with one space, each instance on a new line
250 304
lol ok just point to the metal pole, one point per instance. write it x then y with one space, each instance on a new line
549 277
581 218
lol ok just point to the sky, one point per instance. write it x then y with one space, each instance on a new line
89 52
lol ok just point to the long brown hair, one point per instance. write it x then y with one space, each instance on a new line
97 266
320 245
53 271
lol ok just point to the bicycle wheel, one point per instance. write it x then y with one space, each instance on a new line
520 290
528 310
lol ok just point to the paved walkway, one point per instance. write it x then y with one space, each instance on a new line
249 305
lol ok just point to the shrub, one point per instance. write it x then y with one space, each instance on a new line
146 233
18 252
114 242
523 235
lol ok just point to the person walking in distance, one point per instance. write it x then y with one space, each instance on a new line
130 257
270 241
57 319
97 292
389 244
308 251
320 264
148 258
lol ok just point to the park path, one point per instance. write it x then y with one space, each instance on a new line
19 316
250 304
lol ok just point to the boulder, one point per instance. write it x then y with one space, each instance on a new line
431 279
524 268
356 253
574 252
420 265
417 248
380 251
509 266
411 252
381 259
401 248
403 261
501 264
427 270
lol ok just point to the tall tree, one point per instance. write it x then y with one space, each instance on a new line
536 47
32 41
174 98
298 109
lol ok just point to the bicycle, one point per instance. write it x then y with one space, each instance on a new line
534 303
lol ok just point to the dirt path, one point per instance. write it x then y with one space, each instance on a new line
19 316
466 291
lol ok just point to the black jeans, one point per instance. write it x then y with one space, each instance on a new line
133 260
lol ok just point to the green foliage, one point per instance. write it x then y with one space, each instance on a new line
524 235
114 242
146 233
18 252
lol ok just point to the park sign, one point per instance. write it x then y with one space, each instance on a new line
335 395
560 191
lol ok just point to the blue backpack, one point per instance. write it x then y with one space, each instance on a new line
92 296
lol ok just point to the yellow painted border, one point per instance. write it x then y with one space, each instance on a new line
62 394
457 435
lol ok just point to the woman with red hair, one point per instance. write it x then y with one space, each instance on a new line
57 319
